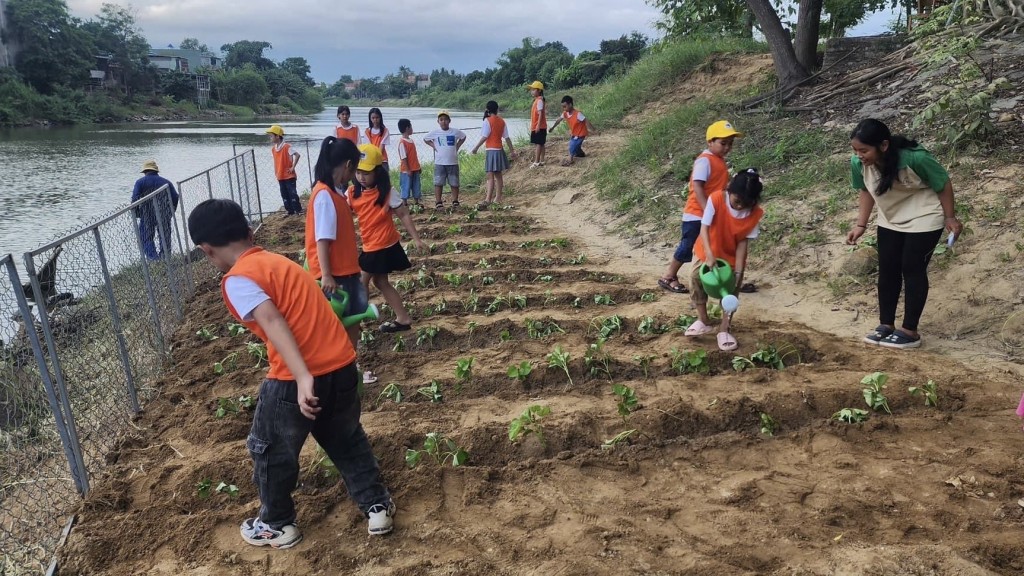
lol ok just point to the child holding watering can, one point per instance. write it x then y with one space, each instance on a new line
730 221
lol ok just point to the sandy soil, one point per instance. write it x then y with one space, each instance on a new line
696 489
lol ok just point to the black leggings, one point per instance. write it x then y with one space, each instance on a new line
903 261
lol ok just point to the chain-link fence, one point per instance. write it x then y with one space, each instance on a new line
84 333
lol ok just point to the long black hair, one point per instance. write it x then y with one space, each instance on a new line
873 133
382 181
369 120
333 153
491 109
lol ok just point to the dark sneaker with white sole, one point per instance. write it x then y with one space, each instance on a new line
901 340
255 532
381 518
880 333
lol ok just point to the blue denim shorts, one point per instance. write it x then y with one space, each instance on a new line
690 232
409 183
575 143
358 299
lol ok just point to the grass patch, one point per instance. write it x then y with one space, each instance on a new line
239 111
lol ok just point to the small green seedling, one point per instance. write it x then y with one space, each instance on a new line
229 489
454 229
203 488
597 360
505 336
604 300
470 328
768 425
851 415
578 259
549 297
649 325
453 279
559 359
518 300
473 301
425 279
432 392
608 326
258 351
464 369
441 448
627 401
520 371
537 329
426 334
483 264
232 406
874 384
391 392
236 329
403 284
577 302
228 364
399 343
487 280
322 463
684 321
647 297
528 423
930 391
366 337
690 361
620 438
206 335
645 363
772 357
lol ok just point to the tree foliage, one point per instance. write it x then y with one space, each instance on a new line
243 52
53 49
193 44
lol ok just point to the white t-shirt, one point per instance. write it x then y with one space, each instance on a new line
445 142
701 173
485 131
709 215
244 295
395 200
325 217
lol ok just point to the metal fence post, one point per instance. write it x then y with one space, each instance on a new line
186 239
149 292
309 166
122 347
209 185
82 480
256 177
231 182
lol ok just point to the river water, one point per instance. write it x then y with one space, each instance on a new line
54 180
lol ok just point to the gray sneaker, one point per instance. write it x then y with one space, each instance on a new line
255 532
381 518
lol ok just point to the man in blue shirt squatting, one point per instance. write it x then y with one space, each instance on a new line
156 211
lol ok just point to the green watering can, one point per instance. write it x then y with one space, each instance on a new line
719 281
339 301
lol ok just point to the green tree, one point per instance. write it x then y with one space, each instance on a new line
193 44
630 47
53 51
299 67
178 86
243 87
116 32
243 52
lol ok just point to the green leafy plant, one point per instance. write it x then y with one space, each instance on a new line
528 423
544 278
426 334
649 325
645 363
470 328
322 465
232 406
227 364
620 438
549 297
403 284
453 279
366 337
604 300
235 329
257 350
560 359
473 302
930 391
648 297
229 489
851 415
520 371
505 336
627 400
690 361
203 488
577 302
205 334
578 259
439 447
483 264
441 307
487 280
538 329
391 392
608 326
596 360
464 369
424 279
873 395
399 343
432 392
683 321
768 425
454 229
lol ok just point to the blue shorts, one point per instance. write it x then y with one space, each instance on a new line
358 299
409 183
575 144
690 232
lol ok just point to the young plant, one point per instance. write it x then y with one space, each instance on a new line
425 279
517 300
505 336
578 259
647 297
232 406
464 369
441 307
690 361
229 489
399 343
322 463
619 438
391 392
426 334
930 391
559 359
203 488
453 279
432 392
228 364
604 300
483 264
206 335
473 302
627 401
528 423
874 384
549 297
258 351
851 415
403 284
441 448
609 326
235 329
684 321
597 360
577 302
645 363
520 371
487 280
470 328
454 229
538 329
768 425
772 357
366 337
650 326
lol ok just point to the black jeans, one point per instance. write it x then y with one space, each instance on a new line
903 259
290 196
279 430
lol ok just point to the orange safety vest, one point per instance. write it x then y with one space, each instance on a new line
497 132
321 338
411 162
344 256
727 231
538 118
283 162
377 140
717 180
376 225
577 127
351 133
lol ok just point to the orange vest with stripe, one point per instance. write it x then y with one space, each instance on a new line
351 133
376 225
283 162
538 118
577 127
718 179
321 338
344 256
497 131
411 162
727 231
377 140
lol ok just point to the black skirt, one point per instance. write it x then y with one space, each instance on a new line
390 259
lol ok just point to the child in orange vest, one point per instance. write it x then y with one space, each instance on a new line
731 220
710 174
579 128
538 123
375 203
493 131
378 135
309 387
346 129
284 168
409 164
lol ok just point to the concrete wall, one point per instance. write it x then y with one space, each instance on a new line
859 52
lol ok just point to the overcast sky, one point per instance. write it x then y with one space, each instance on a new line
339 37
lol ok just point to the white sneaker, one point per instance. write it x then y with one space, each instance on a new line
381 518
255 532
534 164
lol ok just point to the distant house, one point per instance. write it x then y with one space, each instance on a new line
422 81
187 61
350 87
105 72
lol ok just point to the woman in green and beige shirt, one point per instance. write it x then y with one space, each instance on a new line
915 204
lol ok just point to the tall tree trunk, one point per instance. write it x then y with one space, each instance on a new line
787 67
808 24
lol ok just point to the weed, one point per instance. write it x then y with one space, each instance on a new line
441 448
645 363
206 335
620 438
690 361
464 369
559 359
528 423
768 425
520 371
930 391
399 343
228 364
426 334
597 360
604 300
258 351
391 392
874 384
627 401
850 415
432 392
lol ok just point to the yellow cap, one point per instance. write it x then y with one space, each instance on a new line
722 129
536 84
444 113
275 130
369 158
150 166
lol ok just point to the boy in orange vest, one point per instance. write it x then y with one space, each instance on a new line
284 168
579 128
538 122
310 387
710 174
731 220
409 164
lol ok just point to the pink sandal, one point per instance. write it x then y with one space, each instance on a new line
726 342
699 328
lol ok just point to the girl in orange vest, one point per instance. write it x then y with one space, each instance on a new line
346 129
375 203
492 133
731 219
538 123
378 135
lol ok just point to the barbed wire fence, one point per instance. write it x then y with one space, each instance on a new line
84 333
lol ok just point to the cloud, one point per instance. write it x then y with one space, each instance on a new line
340 38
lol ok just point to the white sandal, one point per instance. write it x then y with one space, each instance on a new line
699 328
